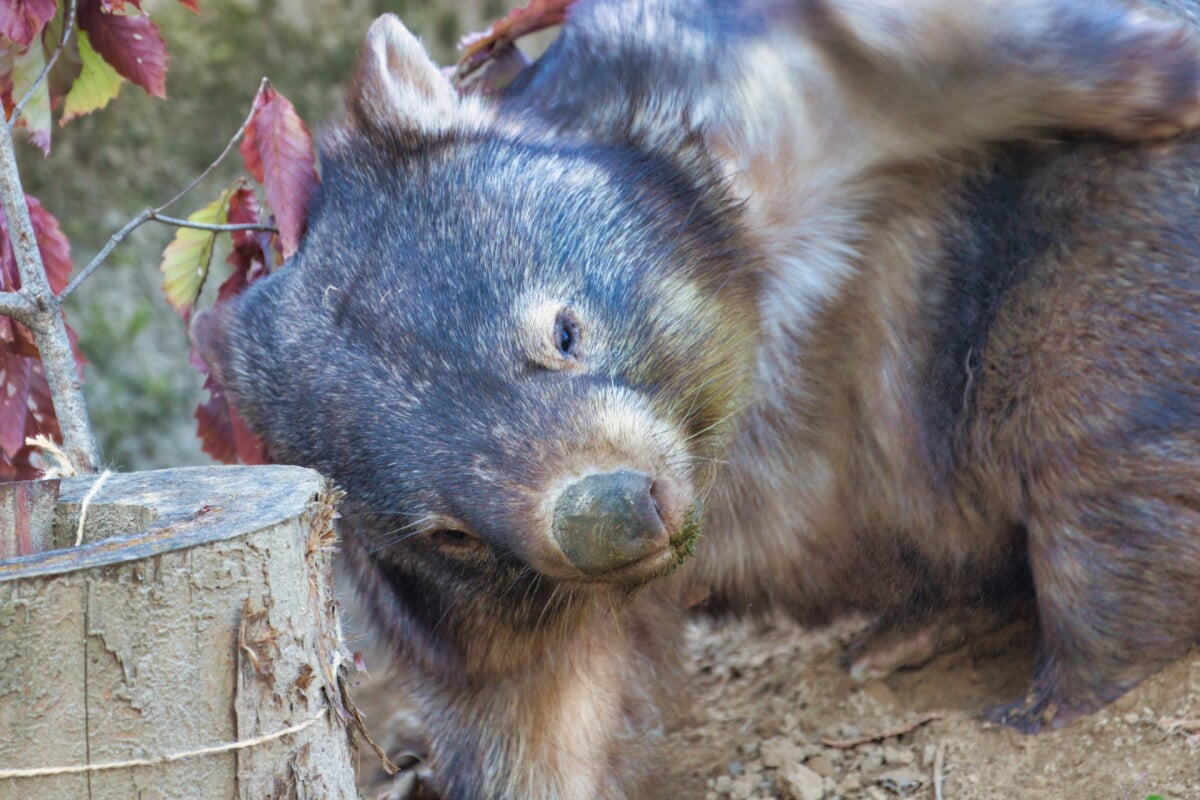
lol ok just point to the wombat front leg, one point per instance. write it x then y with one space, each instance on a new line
967 72
1116 579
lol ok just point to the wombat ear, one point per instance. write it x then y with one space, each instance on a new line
396 85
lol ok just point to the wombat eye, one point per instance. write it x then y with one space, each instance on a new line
566 333
452 539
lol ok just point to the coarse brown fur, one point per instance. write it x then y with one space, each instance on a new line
902 295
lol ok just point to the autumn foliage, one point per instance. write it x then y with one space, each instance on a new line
72 59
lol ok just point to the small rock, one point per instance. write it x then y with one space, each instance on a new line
872 759
743 788
845 731
1131 718
780 753
798 782
712 796
851 783
723 784
875 793
737 768
750 749
928 755
901 781
898 756
820 765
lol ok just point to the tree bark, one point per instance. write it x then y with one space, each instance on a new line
189 648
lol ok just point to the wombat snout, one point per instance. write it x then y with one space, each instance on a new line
604 521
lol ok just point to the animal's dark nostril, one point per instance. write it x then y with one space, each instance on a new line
655 492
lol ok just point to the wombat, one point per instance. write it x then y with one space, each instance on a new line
896 303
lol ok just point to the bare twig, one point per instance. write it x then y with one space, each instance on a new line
208 171
204 226
846 744
156 213
939 762
49 329
68 27
1176 725
1140 779
100 257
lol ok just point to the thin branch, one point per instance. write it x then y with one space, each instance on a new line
68 28
156 213
49 329
1176 725
234 140
846 744
939 764
17 306
100 257
205 226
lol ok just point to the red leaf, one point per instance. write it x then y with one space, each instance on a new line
10 279
213 426
22 20
191 5
52 244
248 256
223 434
6 82
480 48
278 151
131 44
14 401
41 406
23 463
18 339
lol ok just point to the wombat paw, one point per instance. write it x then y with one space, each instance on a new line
908 639
879 651
1038 708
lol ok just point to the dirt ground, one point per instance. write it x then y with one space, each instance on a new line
772 715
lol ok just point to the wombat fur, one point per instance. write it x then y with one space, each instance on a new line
897 303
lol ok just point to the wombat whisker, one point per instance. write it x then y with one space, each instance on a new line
549 605
694 435
522 575
696 395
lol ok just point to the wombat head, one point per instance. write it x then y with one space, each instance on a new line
518 354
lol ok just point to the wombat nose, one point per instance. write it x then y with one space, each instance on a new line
607 520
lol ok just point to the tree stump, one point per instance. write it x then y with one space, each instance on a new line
188 648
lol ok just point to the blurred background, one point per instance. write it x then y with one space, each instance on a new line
139 151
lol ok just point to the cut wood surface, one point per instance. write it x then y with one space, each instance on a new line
188 648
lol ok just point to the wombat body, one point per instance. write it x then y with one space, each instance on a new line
897 303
